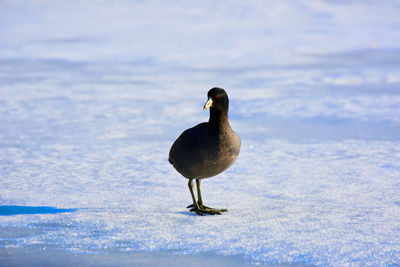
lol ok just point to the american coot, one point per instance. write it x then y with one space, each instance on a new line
206 149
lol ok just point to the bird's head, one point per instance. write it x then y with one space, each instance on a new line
217 100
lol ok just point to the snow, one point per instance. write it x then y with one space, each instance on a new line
92 95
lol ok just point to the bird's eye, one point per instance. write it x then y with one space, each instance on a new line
216 96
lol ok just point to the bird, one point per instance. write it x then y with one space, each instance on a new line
206 149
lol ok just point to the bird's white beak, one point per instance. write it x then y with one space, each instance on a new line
208 103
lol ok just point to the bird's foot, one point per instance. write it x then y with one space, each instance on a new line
202 209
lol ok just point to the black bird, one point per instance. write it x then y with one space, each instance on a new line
207 149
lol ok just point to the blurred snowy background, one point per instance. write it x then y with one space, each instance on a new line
93 93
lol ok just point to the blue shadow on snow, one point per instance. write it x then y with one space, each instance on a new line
17 210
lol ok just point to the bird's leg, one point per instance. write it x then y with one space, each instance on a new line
199 205
199 197
200 201
195 206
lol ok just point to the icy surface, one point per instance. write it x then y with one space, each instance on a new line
92 95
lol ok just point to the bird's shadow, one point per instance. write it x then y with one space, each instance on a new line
19 210
188 213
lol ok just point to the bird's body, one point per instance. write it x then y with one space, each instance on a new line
208 148
204 151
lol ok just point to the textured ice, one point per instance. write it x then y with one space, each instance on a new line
93 95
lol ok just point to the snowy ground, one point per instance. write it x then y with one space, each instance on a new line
92 95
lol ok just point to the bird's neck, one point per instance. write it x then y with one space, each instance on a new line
218 117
